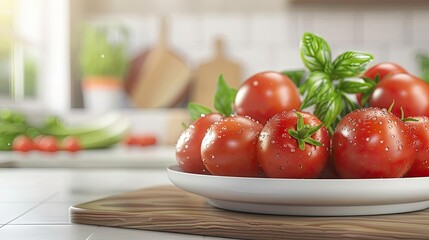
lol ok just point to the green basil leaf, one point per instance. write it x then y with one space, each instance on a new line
328 110
196 110
317 87
351 64
224 97
296 76
315 53
355 85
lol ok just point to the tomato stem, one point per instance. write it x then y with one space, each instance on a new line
303 133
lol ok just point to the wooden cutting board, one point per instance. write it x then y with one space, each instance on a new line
207 74
170 209
158 77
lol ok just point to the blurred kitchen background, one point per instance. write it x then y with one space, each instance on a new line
168 52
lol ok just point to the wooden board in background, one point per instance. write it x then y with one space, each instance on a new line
171 209
207 74
158 77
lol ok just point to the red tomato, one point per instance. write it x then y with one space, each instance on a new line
188 147
409 92
229 147
22 144
279 153
329 172
48 144
372 143
383 70
71 144
420 130
266 94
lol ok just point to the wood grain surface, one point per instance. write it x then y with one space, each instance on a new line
170 209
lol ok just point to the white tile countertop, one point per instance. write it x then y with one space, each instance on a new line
34 202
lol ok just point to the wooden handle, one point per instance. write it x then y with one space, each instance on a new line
219 48
163 32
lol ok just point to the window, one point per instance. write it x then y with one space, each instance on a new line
34 54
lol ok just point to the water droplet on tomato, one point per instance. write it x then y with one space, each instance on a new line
381 141
281 168
255 83
368 139
292 150
386 149
400 147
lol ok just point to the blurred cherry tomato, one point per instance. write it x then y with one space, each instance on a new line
140 140
409 92
279 152
188 147
266 94
48 144
71 144
229 147
23 144
420 131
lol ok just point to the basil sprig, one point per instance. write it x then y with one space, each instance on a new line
224 97
329 82
223 101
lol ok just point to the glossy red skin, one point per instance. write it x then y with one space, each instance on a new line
265 94
383 70
420 167
372 143
329 172
409 92
229 147
188 147
279 154
22 144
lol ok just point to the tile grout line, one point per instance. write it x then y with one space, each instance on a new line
37 205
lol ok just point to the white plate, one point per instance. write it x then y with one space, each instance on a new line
307 197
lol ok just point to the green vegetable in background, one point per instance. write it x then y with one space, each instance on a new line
104 132
329 81
423 61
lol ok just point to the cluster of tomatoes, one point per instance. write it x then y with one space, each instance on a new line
269 136
45 144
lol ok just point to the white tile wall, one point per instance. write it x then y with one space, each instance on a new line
269 40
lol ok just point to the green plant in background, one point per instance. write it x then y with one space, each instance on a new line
423 62
103 51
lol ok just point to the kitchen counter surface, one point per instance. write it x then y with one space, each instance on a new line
34 202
